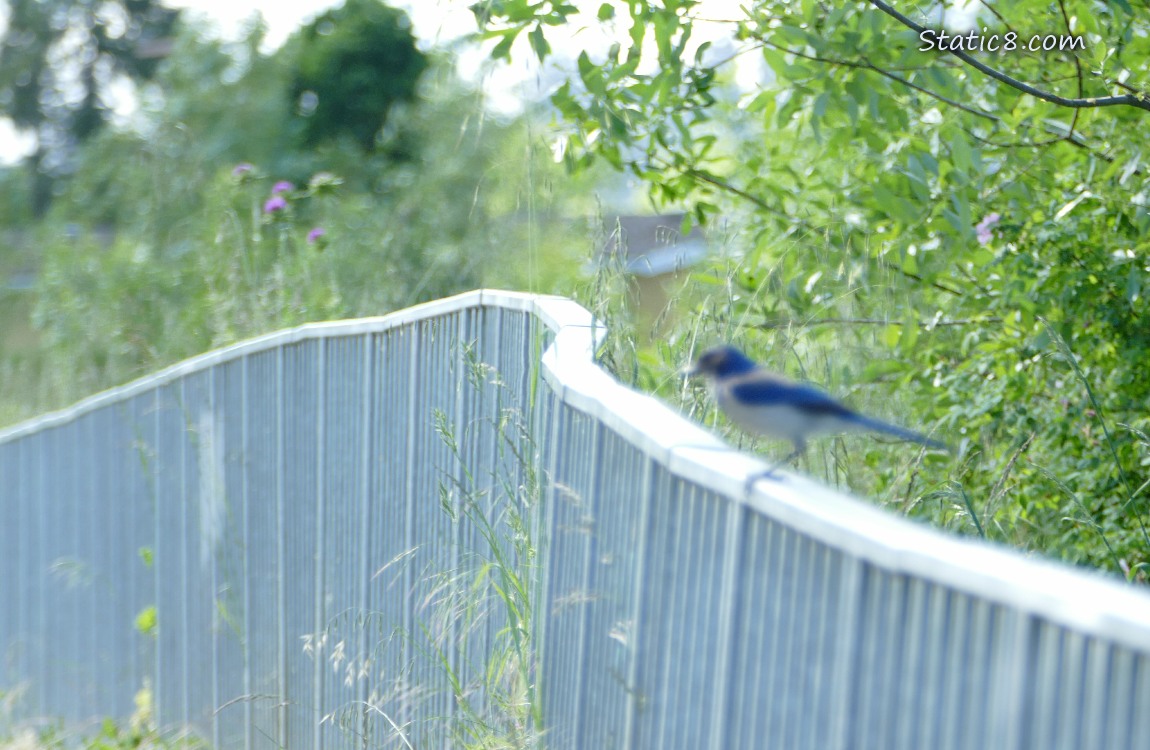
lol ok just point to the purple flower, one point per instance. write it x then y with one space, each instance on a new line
241 169
314 235
982 228
275 203
282 186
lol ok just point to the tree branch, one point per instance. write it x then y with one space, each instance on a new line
1131 100
1070 137
770 325
937 285
1077 70
868 65
710 179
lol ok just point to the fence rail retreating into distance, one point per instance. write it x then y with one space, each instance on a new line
292 507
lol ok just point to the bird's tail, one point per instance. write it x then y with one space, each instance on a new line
877 425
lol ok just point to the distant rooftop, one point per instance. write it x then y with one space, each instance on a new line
653 245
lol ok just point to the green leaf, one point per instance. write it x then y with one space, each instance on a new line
146 621
701 52
502 50
877 369
909 334
1133 284
819 109
960 151
623 70
539 43
910 263
606 12
891 335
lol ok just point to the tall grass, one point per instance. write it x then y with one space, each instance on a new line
464 671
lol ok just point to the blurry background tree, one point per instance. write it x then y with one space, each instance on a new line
967 231
60 60
354 63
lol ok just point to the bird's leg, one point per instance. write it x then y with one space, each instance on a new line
800 448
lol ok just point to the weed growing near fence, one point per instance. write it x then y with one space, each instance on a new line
138 731
468 676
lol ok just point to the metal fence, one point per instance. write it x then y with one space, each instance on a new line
375 532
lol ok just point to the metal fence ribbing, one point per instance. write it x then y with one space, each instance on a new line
293 508
250 496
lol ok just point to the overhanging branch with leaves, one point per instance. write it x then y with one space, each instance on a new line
1133 100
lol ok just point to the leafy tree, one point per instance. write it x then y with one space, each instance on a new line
355 63
968 229
57 60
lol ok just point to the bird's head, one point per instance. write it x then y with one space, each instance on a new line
721 362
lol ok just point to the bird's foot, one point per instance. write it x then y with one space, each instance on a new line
754 478
770 473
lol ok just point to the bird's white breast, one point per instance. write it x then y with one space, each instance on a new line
780 421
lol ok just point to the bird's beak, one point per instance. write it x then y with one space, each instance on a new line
690 371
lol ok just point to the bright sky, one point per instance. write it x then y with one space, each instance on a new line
430 17
435 22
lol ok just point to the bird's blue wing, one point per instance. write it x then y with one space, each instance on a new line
763 390
760 391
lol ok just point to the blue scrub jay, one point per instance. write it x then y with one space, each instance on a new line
767 404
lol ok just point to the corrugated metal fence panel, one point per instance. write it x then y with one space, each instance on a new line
263 397
571 522
341 546
789 649
135 542
308 511
433 541
302 509
174 572
387 616
680 612
224 446
203 446
13 560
